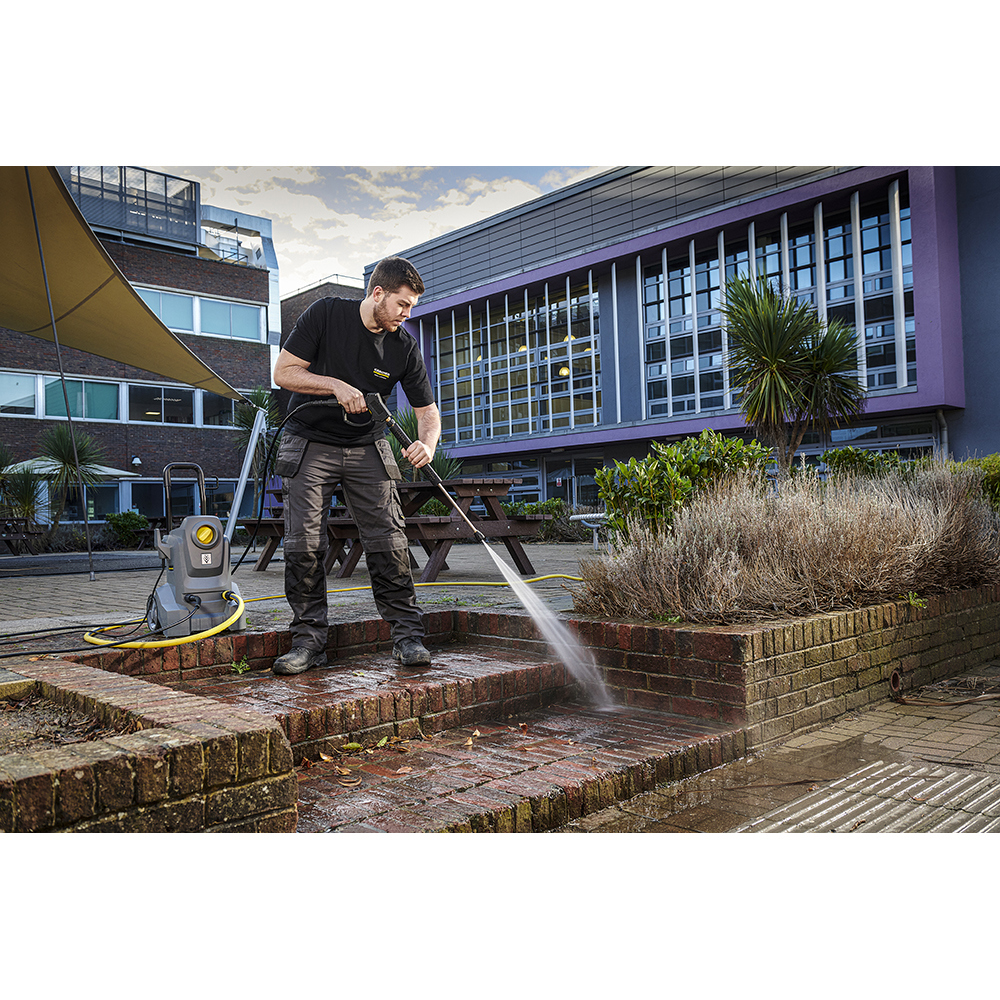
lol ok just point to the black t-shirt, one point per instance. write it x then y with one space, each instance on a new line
332 338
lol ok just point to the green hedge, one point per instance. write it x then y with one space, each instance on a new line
654 488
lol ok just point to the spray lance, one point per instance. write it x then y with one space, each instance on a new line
379 411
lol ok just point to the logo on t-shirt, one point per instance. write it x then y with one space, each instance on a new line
380 373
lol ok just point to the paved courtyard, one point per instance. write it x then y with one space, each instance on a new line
944 732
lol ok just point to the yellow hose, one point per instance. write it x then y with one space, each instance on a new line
179 641
453 583
91 637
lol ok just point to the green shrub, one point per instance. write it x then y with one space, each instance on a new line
989 468
125 527
841 462
653 489
559 528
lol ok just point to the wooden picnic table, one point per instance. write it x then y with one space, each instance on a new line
14 530
435 533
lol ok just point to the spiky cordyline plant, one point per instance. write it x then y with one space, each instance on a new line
56 445
793 371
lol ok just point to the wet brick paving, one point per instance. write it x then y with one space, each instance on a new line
378 747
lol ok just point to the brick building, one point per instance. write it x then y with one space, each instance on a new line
212 278
294 305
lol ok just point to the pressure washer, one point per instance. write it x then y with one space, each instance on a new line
198 592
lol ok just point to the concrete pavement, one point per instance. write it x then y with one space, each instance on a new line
952 728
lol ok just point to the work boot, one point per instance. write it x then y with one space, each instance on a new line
297 660
411 653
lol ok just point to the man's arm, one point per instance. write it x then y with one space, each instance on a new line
421 452
293 373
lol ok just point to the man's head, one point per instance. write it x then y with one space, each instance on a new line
392 273
393 290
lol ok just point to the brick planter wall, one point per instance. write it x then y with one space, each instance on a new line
777 678
770 679
194 765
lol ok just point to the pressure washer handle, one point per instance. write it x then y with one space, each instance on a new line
378 409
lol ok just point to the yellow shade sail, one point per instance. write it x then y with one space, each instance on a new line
96 309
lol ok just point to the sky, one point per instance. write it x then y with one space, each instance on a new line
335 220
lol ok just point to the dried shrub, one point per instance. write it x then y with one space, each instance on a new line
745 552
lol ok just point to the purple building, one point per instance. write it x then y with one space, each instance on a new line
578 328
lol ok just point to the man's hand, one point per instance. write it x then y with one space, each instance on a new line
293 373
418 454
421 452
351 399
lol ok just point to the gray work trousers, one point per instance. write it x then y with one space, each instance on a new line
373 503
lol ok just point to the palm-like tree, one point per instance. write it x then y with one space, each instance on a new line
793 371
56 446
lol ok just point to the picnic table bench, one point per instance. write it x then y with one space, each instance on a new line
14 530
434 533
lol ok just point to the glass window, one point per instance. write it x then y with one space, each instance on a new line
160 404
101 501
230 319
174 311
100 400
245 320
215 317
217 411
768 255
17 393
55 399
177 311
87 400
178 405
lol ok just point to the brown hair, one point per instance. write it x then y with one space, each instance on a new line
392 273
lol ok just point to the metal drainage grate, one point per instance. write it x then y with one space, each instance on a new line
892 798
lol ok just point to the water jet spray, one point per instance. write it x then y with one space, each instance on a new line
577 660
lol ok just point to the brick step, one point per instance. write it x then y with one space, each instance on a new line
486 739
527 774
367 697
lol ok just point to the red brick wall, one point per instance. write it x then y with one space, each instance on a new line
241 363
148 266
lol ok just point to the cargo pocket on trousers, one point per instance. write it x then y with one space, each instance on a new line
290 452
388 459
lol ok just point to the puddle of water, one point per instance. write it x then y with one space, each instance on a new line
576 658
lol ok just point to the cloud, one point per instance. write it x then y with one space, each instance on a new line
336 220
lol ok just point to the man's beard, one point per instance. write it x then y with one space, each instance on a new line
380 313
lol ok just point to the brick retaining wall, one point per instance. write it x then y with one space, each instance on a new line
771 679
189 765
779 677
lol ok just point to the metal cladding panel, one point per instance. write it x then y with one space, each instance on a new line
476 258
791 175
741 182
506 257
538 238
699 188
574 228
629 202
506 236
612 209
654 199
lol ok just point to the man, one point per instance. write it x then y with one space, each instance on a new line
341 349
